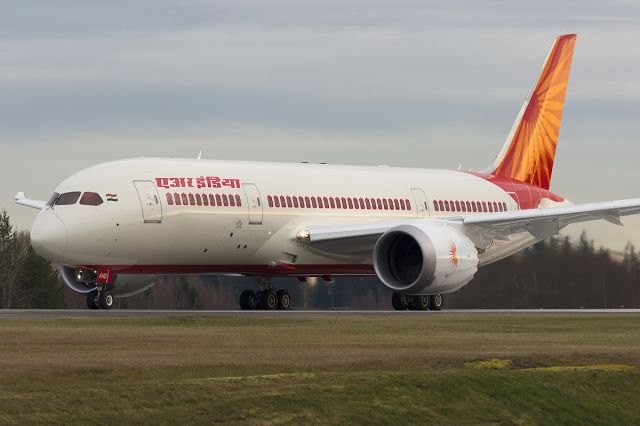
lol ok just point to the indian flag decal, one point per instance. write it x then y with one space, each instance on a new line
112 197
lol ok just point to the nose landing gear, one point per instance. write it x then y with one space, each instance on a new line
100 299
266 299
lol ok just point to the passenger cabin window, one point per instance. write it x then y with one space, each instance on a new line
91 199
68 198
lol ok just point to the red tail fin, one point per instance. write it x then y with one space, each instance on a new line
530 148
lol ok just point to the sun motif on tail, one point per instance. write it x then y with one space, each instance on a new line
453 255
531 146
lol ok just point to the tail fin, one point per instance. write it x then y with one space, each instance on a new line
530 148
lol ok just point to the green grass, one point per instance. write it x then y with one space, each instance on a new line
440 369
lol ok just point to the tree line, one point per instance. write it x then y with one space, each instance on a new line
555 273
27 281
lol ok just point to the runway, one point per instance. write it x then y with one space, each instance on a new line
126 313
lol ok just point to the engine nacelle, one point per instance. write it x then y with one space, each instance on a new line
426 258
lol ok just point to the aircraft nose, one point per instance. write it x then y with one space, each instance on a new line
49 236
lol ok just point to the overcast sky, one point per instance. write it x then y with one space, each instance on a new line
403 83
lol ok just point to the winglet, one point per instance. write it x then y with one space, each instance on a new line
23 201
530 148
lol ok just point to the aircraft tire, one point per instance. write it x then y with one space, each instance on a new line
268 300
399 301
106 300
92 303
436 302
284 300
420 302
247 300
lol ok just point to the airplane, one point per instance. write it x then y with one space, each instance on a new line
424 233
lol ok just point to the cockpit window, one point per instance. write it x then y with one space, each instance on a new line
53 199
91 199
68 198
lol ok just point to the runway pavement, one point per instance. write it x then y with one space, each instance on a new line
126 313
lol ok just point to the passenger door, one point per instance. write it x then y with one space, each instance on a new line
422 206
150 201
254 203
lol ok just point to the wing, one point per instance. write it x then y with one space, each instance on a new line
480 228
23 201
542 223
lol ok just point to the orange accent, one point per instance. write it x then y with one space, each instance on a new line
531 152
453 255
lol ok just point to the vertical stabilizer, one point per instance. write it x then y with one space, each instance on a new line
530 148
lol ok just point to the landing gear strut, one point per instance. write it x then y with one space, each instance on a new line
92 300
100 299
266 299
402 302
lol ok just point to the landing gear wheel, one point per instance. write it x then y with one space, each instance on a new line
105 300
247 300
268 299
399 301
420 302
92 300
437 301
284 300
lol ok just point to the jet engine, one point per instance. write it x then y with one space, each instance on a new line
425 258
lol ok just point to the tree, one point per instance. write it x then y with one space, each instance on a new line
11 255
40 287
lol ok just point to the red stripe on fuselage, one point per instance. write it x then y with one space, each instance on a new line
526 195
263 270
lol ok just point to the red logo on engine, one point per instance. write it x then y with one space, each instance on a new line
453 255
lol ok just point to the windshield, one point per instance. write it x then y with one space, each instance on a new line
53 199
68 198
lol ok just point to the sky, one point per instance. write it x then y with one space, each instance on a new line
431 84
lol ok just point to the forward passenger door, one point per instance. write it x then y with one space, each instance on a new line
150 201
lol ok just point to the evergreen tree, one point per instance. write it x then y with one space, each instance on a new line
10 258
41 288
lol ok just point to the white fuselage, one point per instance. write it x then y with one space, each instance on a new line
139 228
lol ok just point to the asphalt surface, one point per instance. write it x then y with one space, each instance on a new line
126 313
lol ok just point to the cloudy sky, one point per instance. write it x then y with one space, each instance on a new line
403 83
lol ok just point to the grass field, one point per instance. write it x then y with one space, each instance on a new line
441 369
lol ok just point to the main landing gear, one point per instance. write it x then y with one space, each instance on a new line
402 302
266 299
100 299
